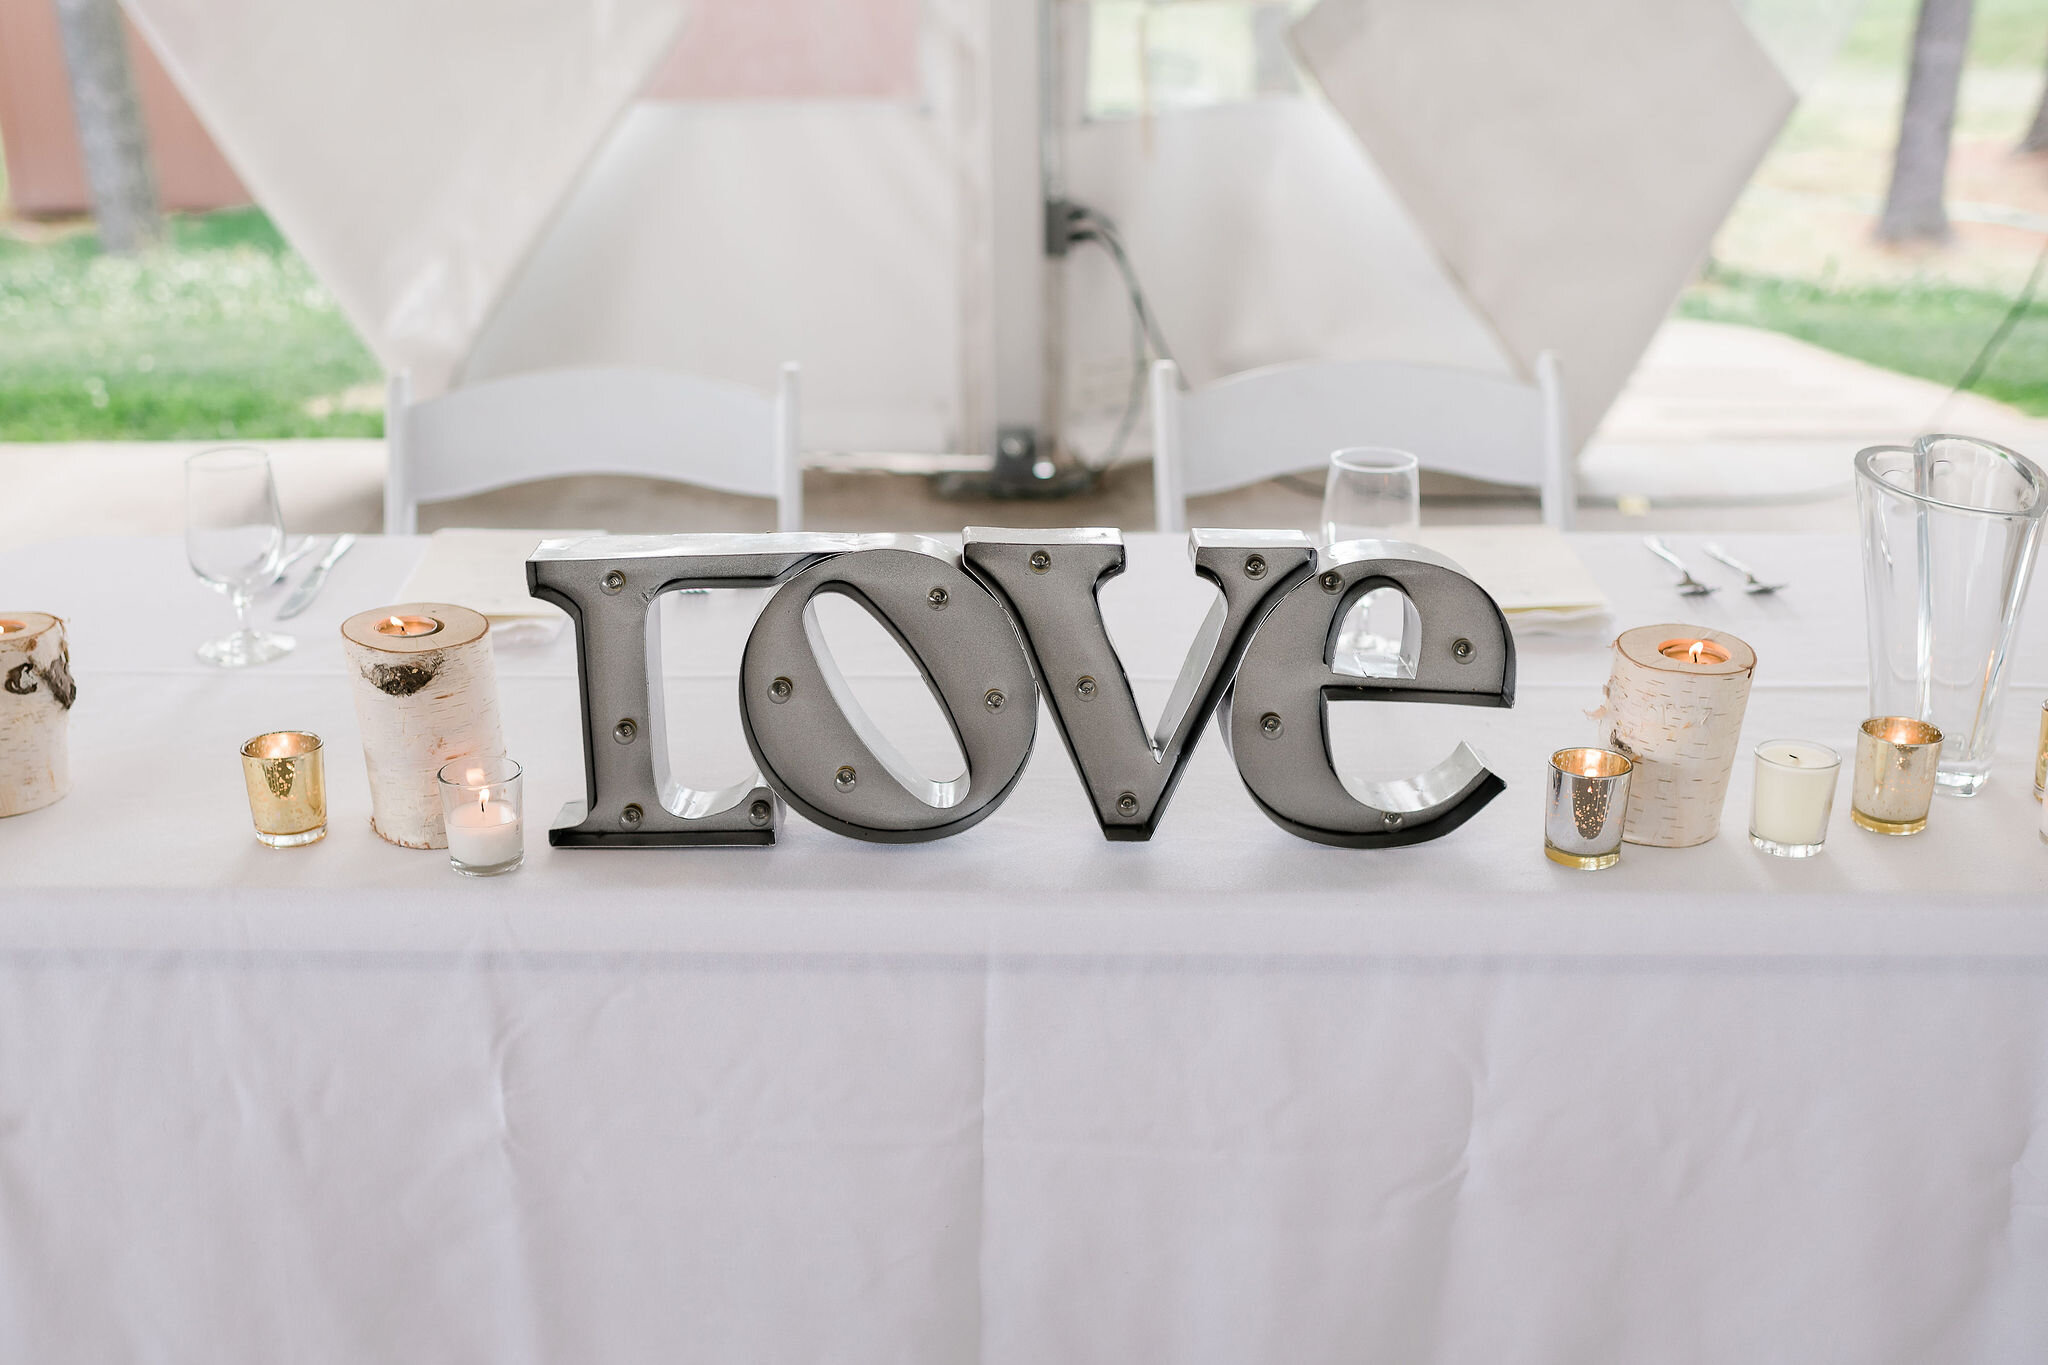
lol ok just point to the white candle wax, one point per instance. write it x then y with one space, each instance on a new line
484 834
1795 792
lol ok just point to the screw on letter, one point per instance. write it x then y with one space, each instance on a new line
1461 650
938 598
1040 561
1086 687
844 779
993 700
1255 567
612 581
631 816
758 813
624 731
1332 581
1127 804
1269 725
779 690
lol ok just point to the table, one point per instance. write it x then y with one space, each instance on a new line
1020 1095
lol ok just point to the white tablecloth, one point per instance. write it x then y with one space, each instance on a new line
1021 1095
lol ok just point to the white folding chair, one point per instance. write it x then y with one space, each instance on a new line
652 423
1284 418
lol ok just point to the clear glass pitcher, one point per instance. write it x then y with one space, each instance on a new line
1950 529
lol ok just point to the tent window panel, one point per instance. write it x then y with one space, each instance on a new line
1146 55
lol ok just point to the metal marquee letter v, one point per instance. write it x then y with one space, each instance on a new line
1049 580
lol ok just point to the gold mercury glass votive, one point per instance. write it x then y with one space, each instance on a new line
1586 807
2041 757
286 774
1896 758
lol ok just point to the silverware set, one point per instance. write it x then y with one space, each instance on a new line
316 577
1688 586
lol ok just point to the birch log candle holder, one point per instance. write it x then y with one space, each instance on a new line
36 692
426 691
1674 705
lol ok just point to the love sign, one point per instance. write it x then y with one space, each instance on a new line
1013 617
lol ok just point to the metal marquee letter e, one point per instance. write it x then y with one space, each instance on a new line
1456 650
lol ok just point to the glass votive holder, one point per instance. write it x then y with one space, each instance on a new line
1896 758
480 804
286 774
1794 796
1586 807
2041 758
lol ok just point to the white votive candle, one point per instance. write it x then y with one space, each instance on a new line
485 835
480 806
1795 794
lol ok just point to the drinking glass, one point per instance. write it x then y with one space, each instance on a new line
1374 493
1951 526
234 539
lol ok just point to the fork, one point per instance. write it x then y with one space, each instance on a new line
1688 586
1755 587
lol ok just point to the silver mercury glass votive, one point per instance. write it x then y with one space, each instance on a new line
1586 807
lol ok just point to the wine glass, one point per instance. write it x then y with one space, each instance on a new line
1374 493
234 538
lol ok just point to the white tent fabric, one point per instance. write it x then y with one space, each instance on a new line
478 185
1570 163
755 233
411 152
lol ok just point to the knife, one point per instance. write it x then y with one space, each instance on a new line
316 578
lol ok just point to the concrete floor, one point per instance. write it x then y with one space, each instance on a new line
1722 428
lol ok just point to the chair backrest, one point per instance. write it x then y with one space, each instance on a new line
653 423
1284 418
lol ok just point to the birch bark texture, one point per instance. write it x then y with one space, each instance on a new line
421 700
36 693
1677 713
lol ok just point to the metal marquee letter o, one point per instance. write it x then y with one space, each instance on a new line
1276 718
816 745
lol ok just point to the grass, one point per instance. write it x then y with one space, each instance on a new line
1930 330
223 333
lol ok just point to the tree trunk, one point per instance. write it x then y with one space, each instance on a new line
2036 139
109 118
1913 210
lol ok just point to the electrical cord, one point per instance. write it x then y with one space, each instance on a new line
1078 223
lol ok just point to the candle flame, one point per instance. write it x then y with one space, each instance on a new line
1698 648
483 798
395 622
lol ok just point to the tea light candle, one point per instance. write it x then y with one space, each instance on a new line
1795 794
1895 767
426 692
1586 806
1675 700
285 772
486 834
480 804
36 693
406 627
2041 759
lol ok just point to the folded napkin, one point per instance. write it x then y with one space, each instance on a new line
486 572
1532 571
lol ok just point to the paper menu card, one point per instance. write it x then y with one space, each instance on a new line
1531 570
485 570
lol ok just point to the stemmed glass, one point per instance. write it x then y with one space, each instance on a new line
234 539
1374 493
